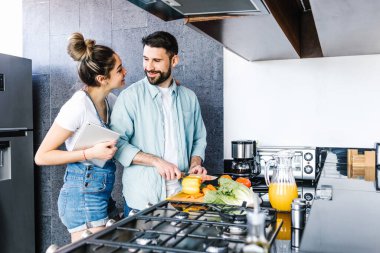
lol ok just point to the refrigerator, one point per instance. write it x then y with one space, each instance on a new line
17 225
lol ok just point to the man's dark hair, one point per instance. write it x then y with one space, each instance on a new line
164 40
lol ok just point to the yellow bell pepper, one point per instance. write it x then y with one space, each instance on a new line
191 184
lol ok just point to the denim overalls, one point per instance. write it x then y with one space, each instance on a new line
85 198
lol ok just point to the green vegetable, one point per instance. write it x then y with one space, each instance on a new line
230 193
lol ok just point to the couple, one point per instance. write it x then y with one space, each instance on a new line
160 123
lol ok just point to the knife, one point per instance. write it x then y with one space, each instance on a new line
204 177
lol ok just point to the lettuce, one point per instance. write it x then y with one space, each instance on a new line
230 193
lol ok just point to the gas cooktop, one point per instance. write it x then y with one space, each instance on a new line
175 226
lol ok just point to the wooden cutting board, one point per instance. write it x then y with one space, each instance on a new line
181 196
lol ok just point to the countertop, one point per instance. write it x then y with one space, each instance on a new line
347 223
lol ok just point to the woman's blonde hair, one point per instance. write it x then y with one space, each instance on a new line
93 59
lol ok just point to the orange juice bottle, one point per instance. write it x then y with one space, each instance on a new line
282 186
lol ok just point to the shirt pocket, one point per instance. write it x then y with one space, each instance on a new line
188 118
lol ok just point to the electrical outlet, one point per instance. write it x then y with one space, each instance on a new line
2 85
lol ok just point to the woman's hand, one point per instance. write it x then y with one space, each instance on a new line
102 151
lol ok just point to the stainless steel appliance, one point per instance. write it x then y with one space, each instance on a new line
304 161
175 226
17 230
243 154
176 9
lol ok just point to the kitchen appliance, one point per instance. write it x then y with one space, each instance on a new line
304 162
243 154
16 156
176 226
177 9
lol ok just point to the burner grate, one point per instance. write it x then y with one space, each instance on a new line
174 227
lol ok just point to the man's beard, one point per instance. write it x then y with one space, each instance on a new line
162 76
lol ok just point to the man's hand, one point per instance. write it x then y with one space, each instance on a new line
198 169
167 170
196 166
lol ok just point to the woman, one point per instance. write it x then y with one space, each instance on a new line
85 195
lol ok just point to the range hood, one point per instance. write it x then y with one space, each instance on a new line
177 9
254 29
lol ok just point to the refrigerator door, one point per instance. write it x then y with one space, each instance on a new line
16 108
17 192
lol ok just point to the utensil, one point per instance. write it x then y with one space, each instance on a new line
202 176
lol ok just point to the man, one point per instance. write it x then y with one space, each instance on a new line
161 127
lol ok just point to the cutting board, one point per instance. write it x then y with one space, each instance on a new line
181 196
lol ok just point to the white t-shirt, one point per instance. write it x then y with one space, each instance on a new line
78 110
171 146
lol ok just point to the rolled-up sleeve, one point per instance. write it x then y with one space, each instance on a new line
200 135
122 122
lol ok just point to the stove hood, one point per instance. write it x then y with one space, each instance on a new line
177 9
253 29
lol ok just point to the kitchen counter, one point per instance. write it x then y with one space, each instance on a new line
347 223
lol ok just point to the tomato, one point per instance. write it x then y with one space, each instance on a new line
226 176
244 181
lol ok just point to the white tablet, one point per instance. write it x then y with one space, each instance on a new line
91 134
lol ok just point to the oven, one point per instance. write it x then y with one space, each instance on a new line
304 162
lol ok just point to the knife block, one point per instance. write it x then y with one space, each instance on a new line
361 166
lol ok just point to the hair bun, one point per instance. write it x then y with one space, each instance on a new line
89 43
79 48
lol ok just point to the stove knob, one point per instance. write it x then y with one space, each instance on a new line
308 156
308 169
308 196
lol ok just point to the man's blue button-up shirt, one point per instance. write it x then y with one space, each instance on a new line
138 116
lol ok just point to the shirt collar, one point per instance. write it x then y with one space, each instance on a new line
154 91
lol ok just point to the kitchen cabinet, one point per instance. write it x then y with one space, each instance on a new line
347 27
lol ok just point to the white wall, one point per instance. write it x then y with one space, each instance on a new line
333 102
11 27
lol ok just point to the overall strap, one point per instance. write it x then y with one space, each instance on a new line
104 124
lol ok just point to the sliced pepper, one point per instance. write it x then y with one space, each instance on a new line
191 184
211 187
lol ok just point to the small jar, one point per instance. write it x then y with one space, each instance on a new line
298 213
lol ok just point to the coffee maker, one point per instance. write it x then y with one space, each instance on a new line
244 154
